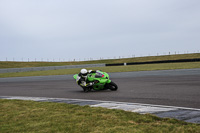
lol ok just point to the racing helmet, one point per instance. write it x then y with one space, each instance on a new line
84 72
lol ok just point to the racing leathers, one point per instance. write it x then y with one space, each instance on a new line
82 80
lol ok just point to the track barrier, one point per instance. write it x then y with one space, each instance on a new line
155 62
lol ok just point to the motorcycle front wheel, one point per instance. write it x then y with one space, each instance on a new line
112 86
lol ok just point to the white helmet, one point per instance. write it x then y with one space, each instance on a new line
83 72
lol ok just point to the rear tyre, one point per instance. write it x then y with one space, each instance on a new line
112 86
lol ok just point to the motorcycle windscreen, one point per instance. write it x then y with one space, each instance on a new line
99 74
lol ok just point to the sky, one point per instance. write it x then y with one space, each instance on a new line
64 30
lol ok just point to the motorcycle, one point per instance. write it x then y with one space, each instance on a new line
101 81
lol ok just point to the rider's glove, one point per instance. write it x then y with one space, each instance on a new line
90 71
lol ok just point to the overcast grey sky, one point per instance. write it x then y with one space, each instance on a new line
82 29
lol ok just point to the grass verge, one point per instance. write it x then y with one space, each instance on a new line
145 67
29 116
10 64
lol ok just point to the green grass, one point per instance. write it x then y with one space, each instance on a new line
129 68
4 64
29 116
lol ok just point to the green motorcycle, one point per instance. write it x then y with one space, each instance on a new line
101 81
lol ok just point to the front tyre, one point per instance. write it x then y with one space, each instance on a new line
112 86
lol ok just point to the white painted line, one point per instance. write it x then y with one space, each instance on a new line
133 108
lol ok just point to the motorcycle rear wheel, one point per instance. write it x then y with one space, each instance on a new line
112 86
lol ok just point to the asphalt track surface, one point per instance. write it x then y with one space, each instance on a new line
167 87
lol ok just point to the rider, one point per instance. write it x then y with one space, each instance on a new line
83 81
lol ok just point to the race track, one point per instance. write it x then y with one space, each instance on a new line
168 87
